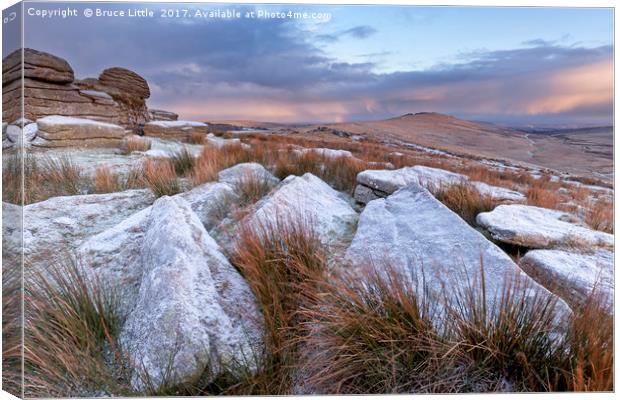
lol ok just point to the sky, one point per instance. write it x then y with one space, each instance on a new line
514 66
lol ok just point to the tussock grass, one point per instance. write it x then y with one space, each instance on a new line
465 200
63 175
196 138
70 327
183 161
252 187
601 216
134 179
379 335
107 181
133 143
281 261
538 196
12 172
160 177
43 177
12 311
206 166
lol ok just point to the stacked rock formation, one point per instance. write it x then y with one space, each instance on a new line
162 115
177 130
118 96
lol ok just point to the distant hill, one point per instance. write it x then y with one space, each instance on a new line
587 151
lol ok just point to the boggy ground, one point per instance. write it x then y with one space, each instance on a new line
328 321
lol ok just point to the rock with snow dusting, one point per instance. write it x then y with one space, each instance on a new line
178 130
385 182
239 172
220 142
375 184
499 193
425 241
572 276
538 228
312 199
194 312
15 134
60 131
162 115
324 152
63 223
114 253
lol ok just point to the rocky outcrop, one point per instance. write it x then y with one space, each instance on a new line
374 184
37 65
117 97
239 172
426 242
162 115
65 222
573 276
194 312
128 89
177 130
115 251
15 135
59 131
309 198
539 228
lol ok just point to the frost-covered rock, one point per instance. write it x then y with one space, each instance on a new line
537 228
61 131
324 152
242 171
13 133
312 199
425 241
498 193
114 253
375 184
194 312
179 130
572 276
389 181
65 222
220 142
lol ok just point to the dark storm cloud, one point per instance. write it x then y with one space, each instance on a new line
274 69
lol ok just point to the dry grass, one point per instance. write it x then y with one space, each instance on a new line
539 196
160 177
43 177
252 187
134 179
378 336
12 311
107 181
206 166
183 161
601 216
280 261
197 138
63 175
465 200
70 326
133 143
590 342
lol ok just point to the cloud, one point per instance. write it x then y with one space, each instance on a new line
357 32
275 70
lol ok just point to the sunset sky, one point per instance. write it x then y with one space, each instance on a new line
504 65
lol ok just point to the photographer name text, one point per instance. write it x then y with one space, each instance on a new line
176 13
